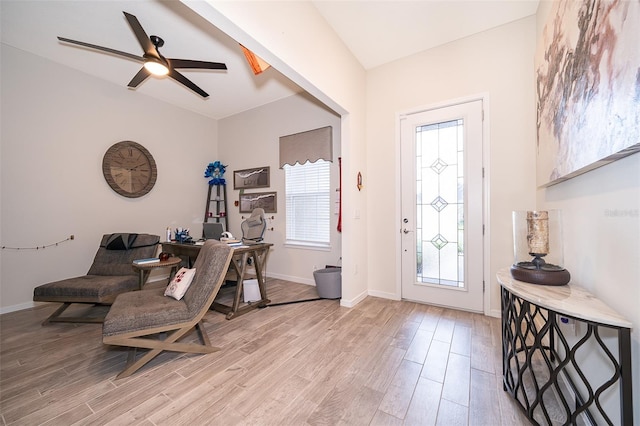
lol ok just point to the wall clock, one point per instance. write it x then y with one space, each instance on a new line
129 169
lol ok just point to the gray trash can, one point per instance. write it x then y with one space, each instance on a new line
328 282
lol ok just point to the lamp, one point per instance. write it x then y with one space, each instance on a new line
542 241
156 68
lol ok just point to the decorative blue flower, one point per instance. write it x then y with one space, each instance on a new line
215 171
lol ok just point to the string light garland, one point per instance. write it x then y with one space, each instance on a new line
71 237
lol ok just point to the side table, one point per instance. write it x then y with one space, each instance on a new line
145 268
545 367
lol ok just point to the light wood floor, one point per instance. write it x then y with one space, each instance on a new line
380 363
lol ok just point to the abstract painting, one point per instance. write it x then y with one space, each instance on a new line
251 178
264 200
588 87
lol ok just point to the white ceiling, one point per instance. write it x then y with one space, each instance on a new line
376 32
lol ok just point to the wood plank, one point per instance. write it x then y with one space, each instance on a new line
378 363
423 408
461 340
444 330
457 379
419 347
435 365
482 408
383 419
483 355
362 407
452 414
398 395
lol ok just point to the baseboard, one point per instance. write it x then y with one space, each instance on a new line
383 295
20 307
299 280
350 303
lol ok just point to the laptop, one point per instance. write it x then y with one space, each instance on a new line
212 231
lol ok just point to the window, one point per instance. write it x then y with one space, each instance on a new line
307 188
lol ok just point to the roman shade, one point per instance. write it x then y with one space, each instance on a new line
306 146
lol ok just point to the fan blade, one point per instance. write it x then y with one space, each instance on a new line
187 63
103 49
141 35
186 82
139 77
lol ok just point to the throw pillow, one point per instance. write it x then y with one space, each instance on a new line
180 283
120 241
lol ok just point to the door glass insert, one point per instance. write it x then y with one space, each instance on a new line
440 204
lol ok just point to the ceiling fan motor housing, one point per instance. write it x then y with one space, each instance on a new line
157 41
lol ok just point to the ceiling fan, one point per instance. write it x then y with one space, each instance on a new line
153 62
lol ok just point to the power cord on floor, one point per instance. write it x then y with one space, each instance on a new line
291 302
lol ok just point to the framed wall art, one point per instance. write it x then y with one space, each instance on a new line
264 200
588 86
251 178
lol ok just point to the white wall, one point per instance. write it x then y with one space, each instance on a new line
57 124
499 63
294 38
251 139
601 234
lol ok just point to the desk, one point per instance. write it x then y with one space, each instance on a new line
145 268
257 252
543 361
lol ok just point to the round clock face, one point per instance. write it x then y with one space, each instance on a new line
129 169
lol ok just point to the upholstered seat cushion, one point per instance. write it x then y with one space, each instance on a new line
142 310
86 289
110 274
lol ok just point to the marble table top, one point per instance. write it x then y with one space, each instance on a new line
567 299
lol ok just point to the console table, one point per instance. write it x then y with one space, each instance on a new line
257 252
542 362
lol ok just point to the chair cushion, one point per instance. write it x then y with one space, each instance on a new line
120 241
86 289
211 266
140 240
144 309
118 262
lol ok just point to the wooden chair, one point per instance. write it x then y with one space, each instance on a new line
110 274
148 319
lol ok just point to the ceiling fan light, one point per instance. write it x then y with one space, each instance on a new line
156 68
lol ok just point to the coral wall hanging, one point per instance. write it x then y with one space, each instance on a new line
215 173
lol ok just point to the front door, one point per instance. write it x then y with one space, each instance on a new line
442 211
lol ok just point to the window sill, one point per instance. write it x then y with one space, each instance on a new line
307 246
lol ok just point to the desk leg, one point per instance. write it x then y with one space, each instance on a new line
241 267
260 260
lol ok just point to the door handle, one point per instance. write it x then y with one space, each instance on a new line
406 231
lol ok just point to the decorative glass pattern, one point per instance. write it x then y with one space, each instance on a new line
440 204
